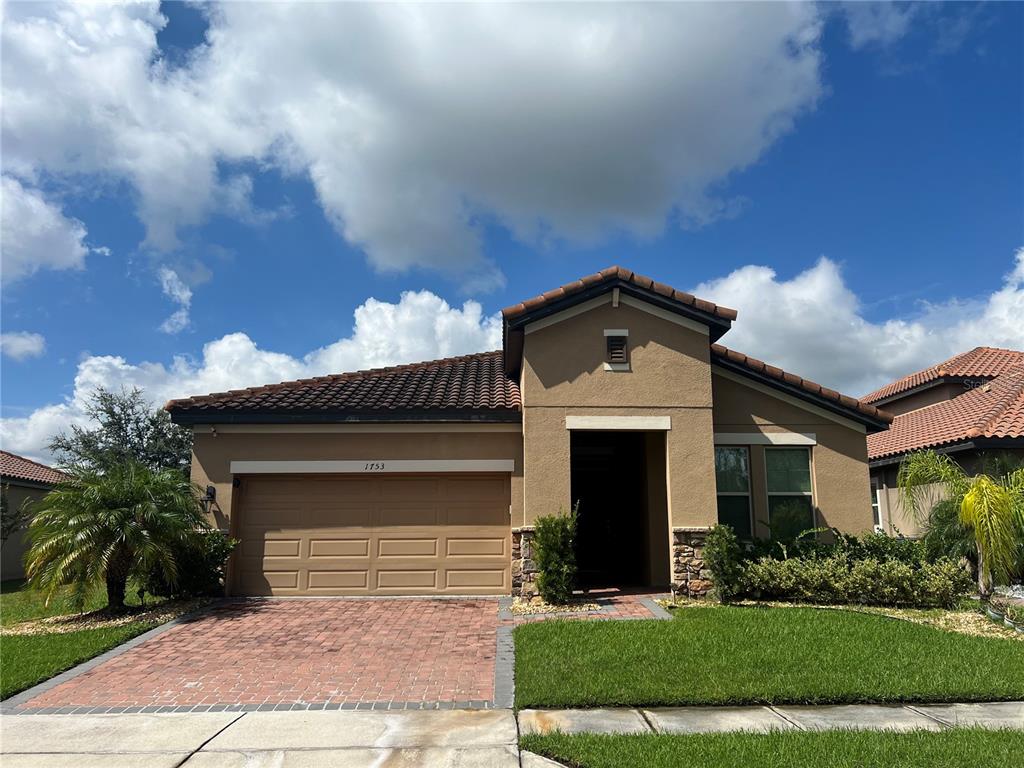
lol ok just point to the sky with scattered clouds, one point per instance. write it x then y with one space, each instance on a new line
202 197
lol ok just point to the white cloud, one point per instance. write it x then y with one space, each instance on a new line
419 326
21 345
415 123
180 294
35 234
877 23
813 325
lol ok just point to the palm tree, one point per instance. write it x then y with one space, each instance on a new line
111 526
991 510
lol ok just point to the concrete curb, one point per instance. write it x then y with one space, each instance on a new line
760 719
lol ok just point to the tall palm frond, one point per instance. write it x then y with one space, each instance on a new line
989 508
111 526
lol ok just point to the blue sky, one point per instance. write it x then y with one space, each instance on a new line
849 178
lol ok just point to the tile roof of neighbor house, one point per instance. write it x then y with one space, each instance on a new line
457 384
993 410
626 275
980 362
15 467
724 354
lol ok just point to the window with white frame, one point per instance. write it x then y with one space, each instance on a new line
876 505
790 502
732 476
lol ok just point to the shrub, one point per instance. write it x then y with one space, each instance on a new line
865 581
200 560
554 544
724 560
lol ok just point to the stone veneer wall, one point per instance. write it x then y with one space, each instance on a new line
524 567
689 576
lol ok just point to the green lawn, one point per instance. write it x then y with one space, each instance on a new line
837 749
729 655
18 603
30 659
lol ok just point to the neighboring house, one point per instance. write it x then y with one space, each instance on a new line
968 406
610 391
24 482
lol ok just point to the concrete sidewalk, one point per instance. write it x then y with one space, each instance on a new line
932 717
341 739
436 738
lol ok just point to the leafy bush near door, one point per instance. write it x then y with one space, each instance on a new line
723 558
554 544
201 560
870 570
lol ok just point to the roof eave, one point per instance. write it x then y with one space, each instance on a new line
26 482
956 446
923 386
716 325
872 423
438 416
514 327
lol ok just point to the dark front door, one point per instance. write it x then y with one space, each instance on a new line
608 482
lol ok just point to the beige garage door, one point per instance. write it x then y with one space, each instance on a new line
373 534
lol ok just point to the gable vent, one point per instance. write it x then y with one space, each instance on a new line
617 352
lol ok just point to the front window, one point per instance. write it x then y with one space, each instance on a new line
790 507
732 476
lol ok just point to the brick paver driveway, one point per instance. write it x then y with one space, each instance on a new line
331 651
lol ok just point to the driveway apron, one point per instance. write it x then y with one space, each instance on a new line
303 653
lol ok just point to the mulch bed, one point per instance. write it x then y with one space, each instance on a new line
104 618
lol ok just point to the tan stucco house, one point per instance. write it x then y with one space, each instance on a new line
23 482
610 391
970 407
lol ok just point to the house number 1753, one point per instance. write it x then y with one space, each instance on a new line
374 466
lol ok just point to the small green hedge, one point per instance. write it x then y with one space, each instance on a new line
871 570
554 544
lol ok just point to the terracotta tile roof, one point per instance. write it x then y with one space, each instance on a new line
993 410
469 383
720 353
15 467
619 273
980 362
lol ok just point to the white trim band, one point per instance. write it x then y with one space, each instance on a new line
625 423
372 466
616 332
765 438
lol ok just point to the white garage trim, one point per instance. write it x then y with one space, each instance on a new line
765 438
372 466
633 423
